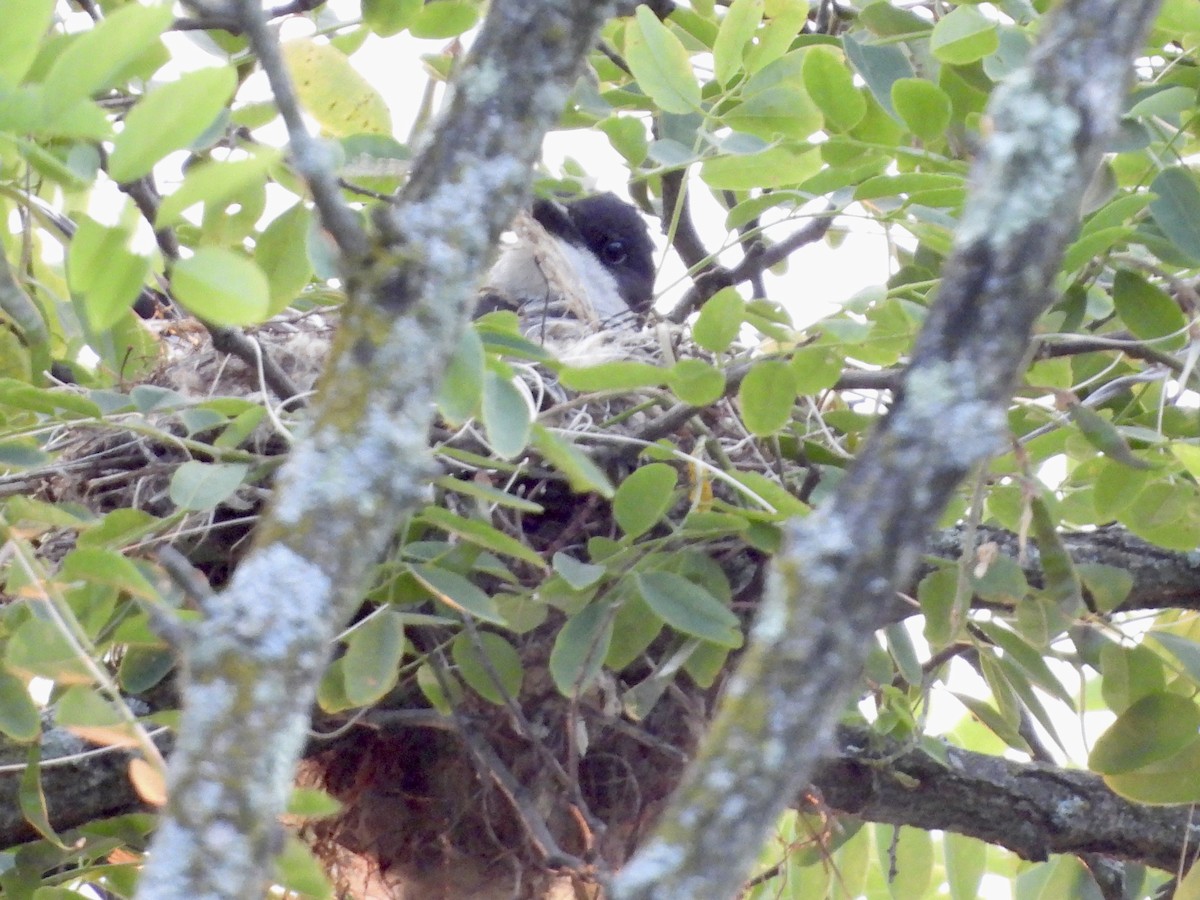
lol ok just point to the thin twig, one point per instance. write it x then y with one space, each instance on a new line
757 260
309 158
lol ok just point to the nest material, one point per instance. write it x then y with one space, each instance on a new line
494 795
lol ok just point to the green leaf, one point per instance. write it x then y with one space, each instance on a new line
1174 780
457 592
168 118
214 182
966 861
922 106
912 852
488 494
720 320
882 18
81 708
737 28
332 90
1108 586
103 271
461 393
1186 651
778 167
936 592
774 102
1189 455
621 375
475 654
1116 487
25 23
481 534
1165 514
143 667
772 492
96 59
1176 210
1104 436
222 286
32 800
389 17
695 382
199 486
1061 582
992 720
312 803
964 36
1028 659
374 649
661 64
644 498
38 649
815 369
98 565
831 87
579 575
688 608
442 19
880 65
580 649
785 19
1155 727
281 252
1148 311
766 396
19 718
583 474
299 872
506 415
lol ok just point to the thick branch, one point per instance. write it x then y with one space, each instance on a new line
838 568
1033 809
251 672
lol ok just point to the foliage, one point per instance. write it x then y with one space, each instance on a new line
113 128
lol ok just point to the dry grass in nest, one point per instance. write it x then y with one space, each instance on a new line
490 793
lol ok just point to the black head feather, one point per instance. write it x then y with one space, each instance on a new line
615 233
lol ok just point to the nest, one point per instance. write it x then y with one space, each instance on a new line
493 799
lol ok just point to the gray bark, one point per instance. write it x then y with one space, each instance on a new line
839 567
252 666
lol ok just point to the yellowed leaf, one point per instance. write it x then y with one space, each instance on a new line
333 92
148 781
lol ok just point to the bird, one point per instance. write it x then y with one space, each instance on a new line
588 262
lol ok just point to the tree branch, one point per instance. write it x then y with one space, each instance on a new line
250 674
310 158
1032 809
838 567
752 266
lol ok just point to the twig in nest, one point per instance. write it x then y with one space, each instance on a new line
248 350
535 826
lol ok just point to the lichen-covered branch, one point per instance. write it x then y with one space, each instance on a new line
252 666
1050 123
1032 809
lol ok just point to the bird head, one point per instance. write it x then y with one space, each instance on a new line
590 259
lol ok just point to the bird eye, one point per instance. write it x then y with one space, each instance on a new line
614 253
